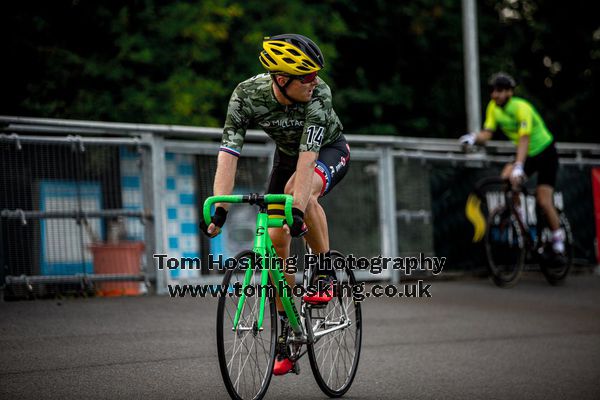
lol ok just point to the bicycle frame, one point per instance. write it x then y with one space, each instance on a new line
532 238
263 247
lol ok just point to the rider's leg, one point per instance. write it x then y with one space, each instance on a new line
317 236
543 195
281 242
282 365
546 165
544 199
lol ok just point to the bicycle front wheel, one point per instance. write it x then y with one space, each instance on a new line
505 247
246 355
334 356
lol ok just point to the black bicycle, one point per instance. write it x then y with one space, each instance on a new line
511 243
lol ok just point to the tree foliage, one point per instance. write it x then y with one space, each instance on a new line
394 67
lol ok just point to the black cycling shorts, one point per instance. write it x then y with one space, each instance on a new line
332 166
545 164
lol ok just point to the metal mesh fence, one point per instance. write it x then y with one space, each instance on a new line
52 199
413 208
352 211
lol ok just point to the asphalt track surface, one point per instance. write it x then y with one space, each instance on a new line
470 340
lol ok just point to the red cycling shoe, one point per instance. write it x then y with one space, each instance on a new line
282 365
324 294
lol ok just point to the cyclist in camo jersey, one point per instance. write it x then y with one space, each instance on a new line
294 107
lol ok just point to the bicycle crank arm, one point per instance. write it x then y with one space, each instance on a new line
336 328
336 323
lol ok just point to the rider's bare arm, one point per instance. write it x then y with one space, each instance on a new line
303 180
483 136
224 181
522 148
225 176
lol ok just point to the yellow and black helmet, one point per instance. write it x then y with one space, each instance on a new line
291 54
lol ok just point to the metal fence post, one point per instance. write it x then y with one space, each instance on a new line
387 206
471 61
154 191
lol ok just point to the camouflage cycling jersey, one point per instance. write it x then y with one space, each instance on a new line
294 128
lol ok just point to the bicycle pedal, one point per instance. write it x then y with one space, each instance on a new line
296 368
316 306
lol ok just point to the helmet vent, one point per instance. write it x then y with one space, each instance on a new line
268 57
288 60
294 52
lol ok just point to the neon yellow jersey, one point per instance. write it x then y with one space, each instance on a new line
518 118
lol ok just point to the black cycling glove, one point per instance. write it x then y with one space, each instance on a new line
298 227
218 219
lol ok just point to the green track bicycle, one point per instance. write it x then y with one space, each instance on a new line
247 318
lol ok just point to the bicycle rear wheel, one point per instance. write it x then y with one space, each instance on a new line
246 355
505 247
555 271
334 356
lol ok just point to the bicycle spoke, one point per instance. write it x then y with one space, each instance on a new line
246 360
333 364
239 348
